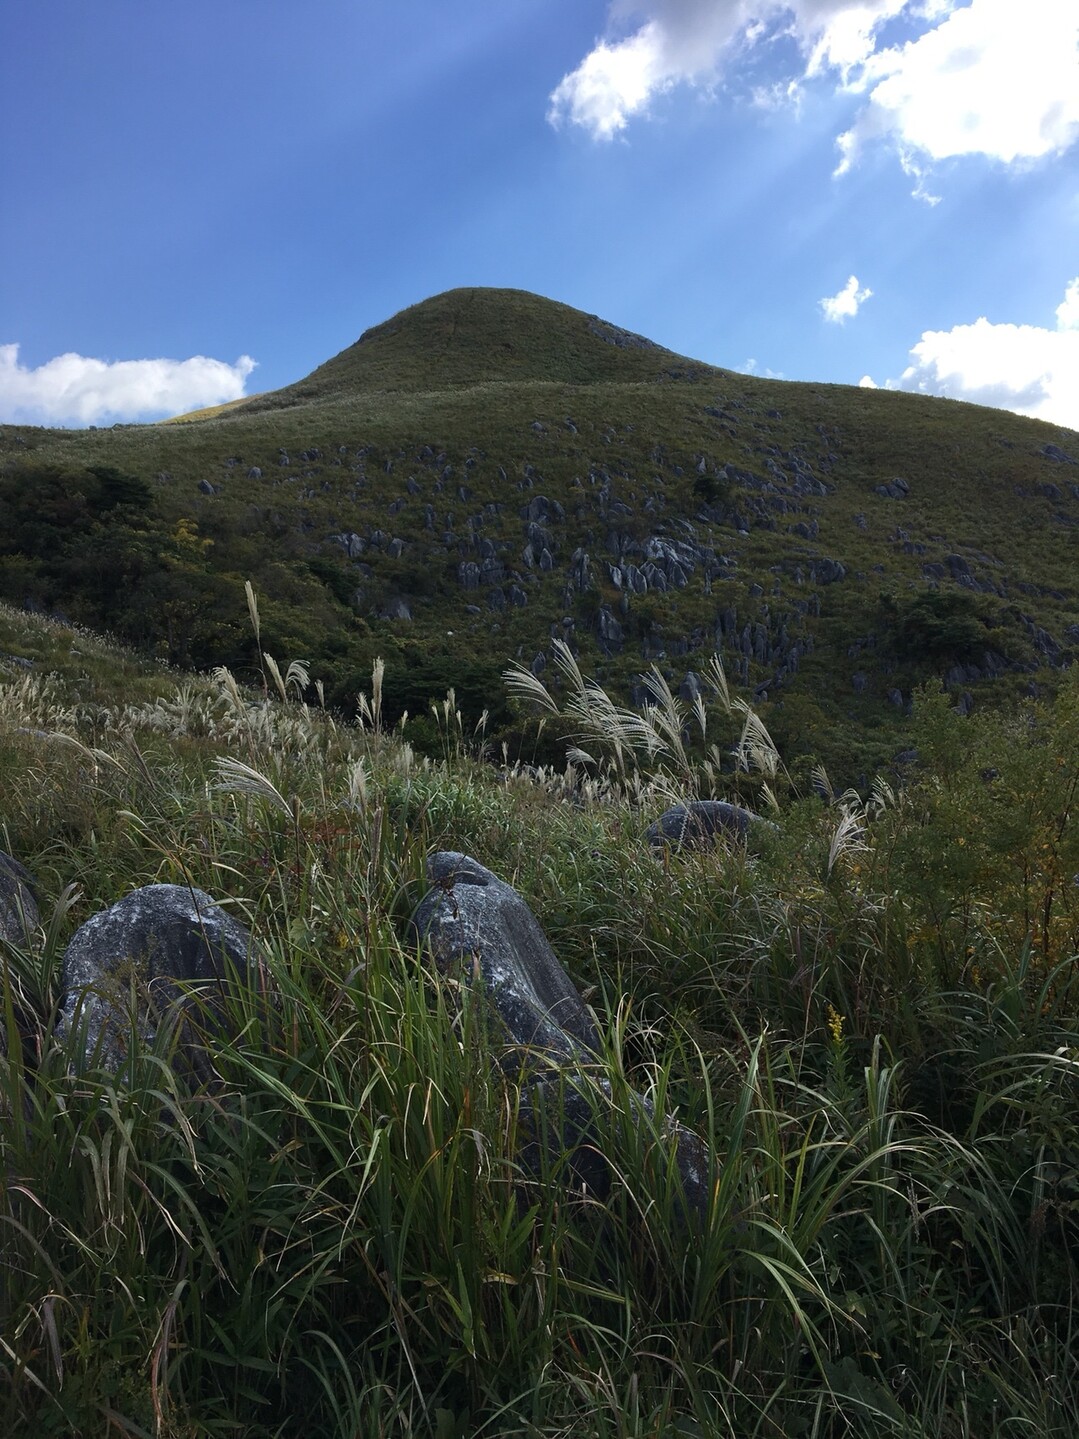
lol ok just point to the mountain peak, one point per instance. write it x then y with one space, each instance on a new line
476 336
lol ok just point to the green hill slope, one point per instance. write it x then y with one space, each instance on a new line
483 336
490 470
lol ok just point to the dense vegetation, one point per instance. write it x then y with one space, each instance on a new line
873 1015
489 471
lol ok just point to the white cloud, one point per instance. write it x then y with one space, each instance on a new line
992 77
997 79
611 83
684 41
846 304
72 389
1025 368
841 34
1068 309
751 367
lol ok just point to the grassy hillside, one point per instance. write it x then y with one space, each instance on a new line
465 338
872 1017
489 470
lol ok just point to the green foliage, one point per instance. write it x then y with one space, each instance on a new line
335 577
710 489
438 428
950 625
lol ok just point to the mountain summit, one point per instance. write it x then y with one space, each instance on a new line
485 336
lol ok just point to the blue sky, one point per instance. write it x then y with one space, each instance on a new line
209 199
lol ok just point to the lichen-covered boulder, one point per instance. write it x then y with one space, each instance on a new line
165 953
475 923
700 823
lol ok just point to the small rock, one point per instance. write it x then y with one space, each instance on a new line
700 823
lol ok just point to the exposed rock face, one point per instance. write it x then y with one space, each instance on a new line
146 954
352 543
827 571
700 823
479 928
897 489
396 609
615 335
609 631
1055 453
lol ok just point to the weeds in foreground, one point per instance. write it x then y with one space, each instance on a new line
338 1236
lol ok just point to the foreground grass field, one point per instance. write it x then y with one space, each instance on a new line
872 1016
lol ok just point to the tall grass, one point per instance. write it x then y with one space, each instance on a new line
338 1234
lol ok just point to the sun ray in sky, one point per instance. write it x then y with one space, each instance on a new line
707 172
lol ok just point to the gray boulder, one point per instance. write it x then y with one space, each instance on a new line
18 920
19 916
827 571
478 928
396 609
162 954
1059 456
701 823
896 489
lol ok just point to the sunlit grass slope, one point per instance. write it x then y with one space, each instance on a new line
211 412
432 492
484 336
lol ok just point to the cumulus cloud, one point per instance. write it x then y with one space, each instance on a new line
611 83
1068 309
1026 368
681 41
751 367
75 390
846 304
995 79
686 41
991 77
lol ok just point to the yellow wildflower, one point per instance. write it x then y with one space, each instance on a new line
835 1022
